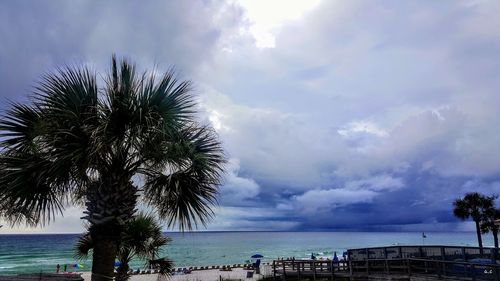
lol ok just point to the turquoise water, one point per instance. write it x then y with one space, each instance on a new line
35 253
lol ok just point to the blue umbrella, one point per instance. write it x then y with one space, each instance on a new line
257 256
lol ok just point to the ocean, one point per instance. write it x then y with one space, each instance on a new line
41 253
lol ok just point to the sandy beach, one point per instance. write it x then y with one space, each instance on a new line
198 275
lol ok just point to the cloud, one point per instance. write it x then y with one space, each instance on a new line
383 182
374 116
237 189
320 201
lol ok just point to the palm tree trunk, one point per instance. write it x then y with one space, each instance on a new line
109 207
495 237
479 238
103 259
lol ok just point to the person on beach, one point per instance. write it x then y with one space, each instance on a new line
58 267
65 267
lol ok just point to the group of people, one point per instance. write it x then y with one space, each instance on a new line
58 268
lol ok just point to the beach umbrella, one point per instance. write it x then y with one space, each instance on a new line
257 256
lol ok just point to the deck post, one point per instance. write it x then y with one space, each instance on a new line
284 270
333 270
274 270
314 270
443 257
473 272
349 263
298 271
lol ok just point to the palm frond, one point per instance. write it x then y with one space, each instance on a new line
185 196
83 246
18 127
143 236
71 92
30 189
121 100
165 103
165 266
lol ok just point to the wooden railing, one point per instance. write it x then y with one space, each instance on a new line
421 251
308 268
457 269
453 270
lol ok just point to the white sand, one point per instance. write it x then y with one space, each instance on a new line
197 275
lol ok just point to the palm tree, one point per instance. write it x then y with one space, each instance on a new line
488 223
473 205
105 148
142 238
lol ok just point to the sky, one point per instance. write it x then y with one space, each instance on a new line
335 115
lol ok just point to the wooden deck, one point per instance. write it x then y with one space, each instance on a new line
384 269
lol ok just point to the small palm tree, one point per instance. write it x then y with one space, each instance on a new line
105 148
142 238
488 223
474 206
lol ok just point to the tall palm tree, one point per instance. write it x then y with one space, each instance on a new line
473 205
105 148
142 238
488 223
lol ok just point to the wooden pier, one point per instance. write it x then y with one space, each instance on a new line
394 263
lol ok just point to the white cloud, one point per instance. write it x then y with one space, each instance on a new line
362 127
377 183
237 189
320 201
267 17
